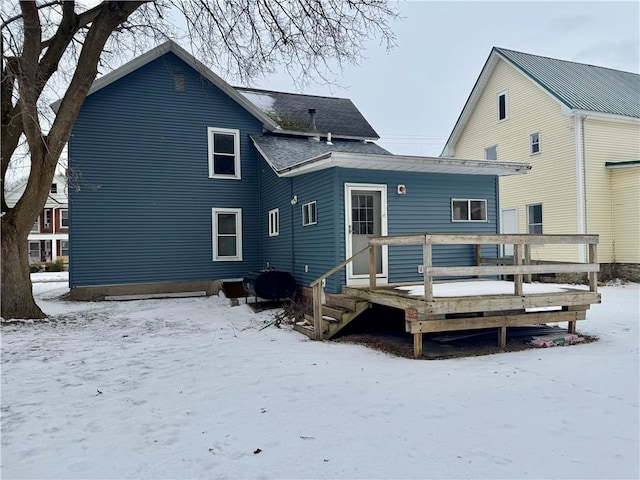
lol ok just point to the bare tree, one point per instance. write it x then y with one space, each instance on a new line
62 44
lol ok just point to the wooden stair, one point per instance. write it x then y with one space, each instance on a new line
338 311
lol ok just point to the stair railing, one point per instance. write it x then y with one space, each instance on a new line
316 287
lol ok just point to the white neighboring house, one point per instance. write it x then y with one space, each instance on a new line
49 236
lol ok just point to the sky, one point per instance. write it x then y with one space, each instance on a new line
195 388
413 95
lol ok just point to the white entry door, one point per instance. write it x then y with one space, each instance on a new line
365 217
508 224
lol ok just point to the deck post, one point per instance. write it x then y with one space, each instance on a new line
372 267
517 261
502 336
527 261
478 249
417 345
593 276
317 311
427 263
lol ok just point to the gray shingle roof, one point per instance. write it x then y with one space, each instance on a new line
291 112
581 86
284 152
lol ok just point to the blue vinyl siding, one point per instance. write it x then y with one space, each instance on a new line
275 192
426 207
140 197
316 245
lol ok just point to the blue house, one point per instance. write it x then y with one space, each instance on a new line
178 179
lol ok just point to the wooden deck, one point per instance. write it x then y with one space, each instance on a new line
427 311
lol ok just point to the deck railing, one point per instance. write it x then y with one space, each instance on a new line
519 266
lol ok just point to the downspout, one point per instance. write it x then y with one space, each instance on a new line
579 139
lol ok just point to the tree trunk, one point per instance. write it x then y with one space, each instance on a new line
17 297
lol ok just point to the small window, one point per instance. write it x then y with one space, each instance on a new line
36 226
64 218
534 218
502 106
64 248
468 210
54 188
534 141
274 222
227 234
491 153
309 213
47 218
224 153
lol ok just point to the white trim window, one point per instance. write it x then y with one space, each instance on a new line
224 153
534 143
226 234
35 228
491 153
468 210
534 218
274 222
64 218
64 248
503 105
309 213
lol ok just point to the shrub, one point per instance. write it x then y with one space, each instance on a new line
57 266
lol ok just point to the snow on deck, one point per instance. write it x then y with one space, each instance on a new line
474 288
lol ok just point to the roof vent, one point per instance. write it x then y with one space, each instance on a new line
329 142
312 119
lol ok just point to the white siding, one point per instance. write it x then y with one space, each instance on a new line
552 179
612 141
625 186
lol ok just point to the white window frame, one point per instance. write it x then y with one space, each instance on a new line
47 225
61 211
504 93
53 189
533 143
62 249
214 235
306 214
35 228
468 219
492 147
236 147
34 242
529 222
274 222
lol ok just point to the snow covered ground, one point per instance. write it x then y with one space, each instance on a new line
192 388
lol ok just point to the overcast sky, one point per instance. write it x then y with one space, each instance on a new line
413 95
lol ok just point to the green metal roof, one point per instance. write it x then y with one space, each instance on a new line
580 86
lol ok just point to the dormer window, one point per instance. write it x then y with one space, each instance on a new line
502 106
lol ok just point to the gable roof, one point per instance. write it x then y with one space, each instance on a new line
59 199
171 46
278 111
290 111
578 87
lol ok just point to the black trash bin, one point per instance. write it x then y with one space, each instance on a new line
269 284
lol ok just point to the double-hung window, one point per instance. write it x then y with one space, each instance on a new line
274 222
468 210
227 234
64 218
534 218
534 142
309 213
224 153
